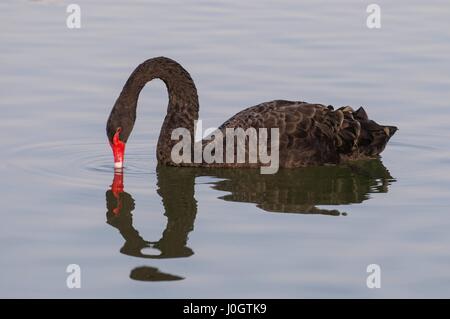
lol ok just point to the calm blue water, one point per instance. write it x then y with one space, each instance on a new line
308 233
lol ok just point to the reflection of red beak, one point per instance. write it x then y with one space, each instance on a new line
118 148
117 189
117 185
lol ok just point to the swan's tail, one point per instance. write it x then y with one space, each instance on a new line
361 137
373 137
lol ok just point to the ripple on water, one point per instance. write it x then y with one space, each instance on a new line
410 145
78 162
86 163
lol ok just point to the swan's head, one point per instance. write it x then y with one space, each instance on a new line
118 148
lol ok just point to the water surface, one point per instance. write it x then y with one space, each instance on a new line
222 233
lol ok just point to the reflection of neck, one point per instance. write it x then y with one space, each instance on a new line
176 187
120 204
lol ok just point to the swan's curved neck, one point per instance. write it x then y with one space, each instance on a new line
183 106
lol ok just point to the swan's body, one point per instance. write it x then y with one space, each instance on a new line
310 134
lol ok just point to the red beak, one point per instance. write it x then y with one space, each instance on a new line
118 148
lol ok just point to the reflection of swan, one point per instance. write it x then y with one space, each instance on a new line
301 190
309 134
146 273
288 191
180 207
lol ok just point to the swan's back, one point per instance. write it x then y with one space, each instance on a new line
315 134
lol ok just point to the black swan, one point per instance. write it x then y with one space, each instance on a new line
309 134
